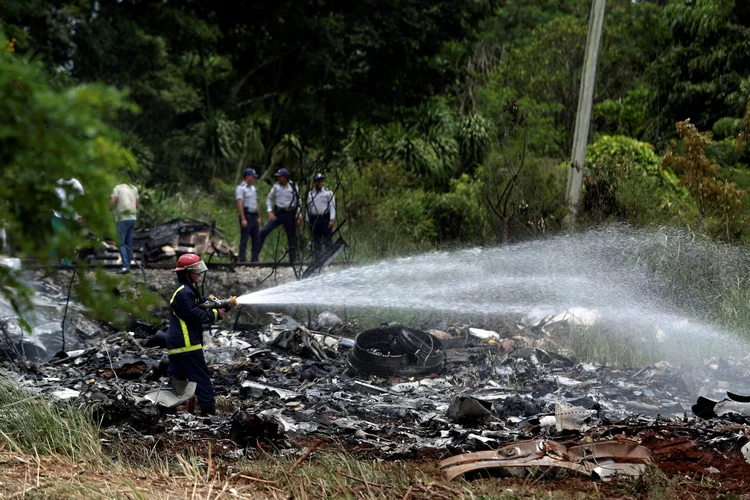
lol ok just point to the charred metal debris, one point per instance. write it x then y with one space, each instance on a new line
165 242
482 401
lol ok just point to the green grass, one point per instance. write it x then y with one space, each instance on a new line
600 345
30 424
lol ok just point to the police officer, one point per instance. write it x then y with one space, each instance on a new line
285 195
249 209
320 213
185 332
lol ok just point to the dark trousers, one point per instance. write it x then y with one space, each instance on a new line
125 230
192 366
251 231
287 220
321 233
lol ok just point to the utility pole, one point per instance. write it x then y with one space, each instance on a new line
583 116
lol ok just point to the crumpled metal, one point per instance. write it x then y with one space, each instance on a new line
596 459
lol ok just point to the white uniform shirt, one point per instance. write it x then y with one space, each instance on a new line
286 197
248 195
320 203
127 201
66 190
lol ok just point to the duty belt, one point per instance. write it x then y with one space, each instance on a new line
286 210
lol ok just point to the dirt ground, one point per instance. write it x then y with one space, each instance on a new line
180 470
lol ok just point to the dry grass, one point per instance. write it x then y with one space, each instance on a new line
324 474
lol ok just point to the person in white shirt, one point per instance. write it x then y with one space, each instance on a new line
126 202
67 190
285 195
249 209
320 214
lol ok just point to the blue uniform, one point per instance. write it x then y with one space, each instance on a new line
321 210
184 342
287 211
249 197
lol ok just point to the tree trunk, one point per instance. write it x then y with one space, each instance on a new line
506 223
698 223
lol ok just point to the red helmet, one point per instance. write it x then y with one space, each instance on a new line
191 262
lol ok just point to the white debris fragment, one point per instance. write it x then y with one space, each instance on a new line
405 387
484 334
327 319
746 452
548 421
579 316
64 394
569 417
566 381
283 393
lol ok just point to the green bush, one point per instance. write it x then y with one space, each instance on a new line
727 128
624 116
623 179
724 152
459 215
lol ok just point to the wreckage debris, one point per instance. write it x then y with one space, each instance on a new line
396 350
326 256
601 460
169 397
251 429
734 404
285 382
166 241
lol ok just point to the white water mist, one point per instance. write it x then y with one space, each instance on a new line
594 270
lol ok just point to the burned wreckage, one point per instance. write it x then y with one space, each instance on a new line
165 242
479 400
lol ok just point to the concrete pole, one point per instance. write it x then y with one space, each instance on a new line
583 116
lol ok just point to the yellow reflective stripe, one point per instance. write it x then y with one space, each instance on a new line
185 333
189 348
216 314
183 325
175 294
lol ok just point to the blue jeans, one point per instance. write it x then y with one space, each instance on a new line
125 230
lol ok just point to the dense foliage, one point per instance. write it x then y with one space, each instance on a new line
46 134
440 123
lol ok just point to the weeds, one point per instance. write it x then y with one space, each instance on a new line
653 484
29 424
601 345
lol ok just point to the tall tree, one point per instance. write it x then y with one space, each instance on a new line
199 68
703 75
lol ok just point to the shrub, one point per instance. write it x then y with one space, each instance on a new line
623 179
727 127
724 152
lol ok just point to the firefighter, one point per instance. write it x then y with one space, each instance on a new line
185 332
